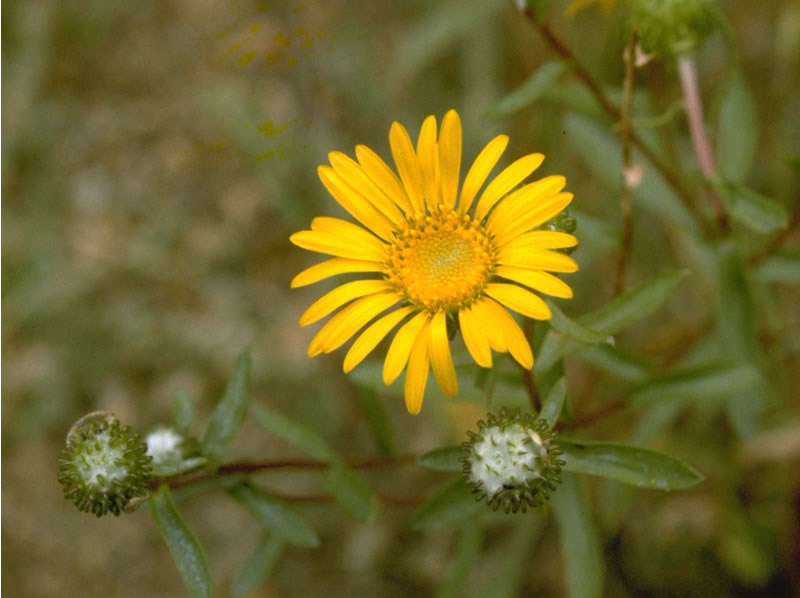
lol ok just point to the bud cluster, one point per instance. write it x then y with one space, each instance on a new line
512 461
104 466
668 28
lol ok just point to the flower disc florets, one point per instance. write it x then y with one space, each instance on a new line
512 461
104 466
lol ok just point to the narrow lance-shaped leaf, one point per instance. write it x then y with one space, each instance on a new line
258 566
553 403
581 549
229 412
181 542
574 329
749 208
351 492
446 458
633 305
636 303
629 464
454 504
183 411
529 92
707 382
275 515
295 433
463 562
737 131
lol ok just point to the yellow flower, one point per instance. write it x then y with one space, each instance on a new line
435 258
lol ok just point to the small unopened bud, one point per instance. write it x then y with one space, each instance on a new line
172 452
668 28
104 466
512 461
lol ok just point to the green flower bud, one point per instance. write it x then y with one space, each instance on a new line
172 452
668 28
104 466
512 461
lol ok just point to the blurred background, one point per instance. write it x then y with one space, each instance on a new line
156 157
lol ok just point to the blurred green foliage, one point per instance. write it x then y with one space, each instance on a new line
156 157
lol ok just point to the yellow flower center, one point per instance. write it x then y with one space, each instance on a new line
441 262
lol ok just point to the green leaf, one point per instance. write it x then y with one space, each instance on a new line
229 412
737 131
453 505
629 464
294 433
258 566
436 32
380 425
581 548
615 362
602 154
554 402
466 556
705 382
351 492
275 515
783 267
529 92
751 209
506 577
181 542
446 458
183 411
636 303
575 330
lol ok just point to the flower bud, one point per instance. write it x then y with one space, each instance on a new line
104 466
512 461
172 452
668 28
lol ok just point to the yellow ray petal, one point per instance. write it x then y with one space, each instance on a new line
538 240
341 295
370 338
539 259
364 246
479 170
518 345
493 333
529 218
380 174
417 372
537 280
428 159
344 324
332 267
450 158
353 174
407 166
519 299
441 359
403 341
521 201
505 182
475 338
356 204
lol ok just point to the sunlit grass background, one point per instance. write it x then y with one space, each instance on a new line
156 157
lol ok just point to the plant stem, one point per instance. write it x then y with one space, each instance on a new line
702 148
672 179
248 467
628 174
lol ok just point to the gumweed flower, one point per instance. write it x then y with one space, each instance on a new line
434 255
512 461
